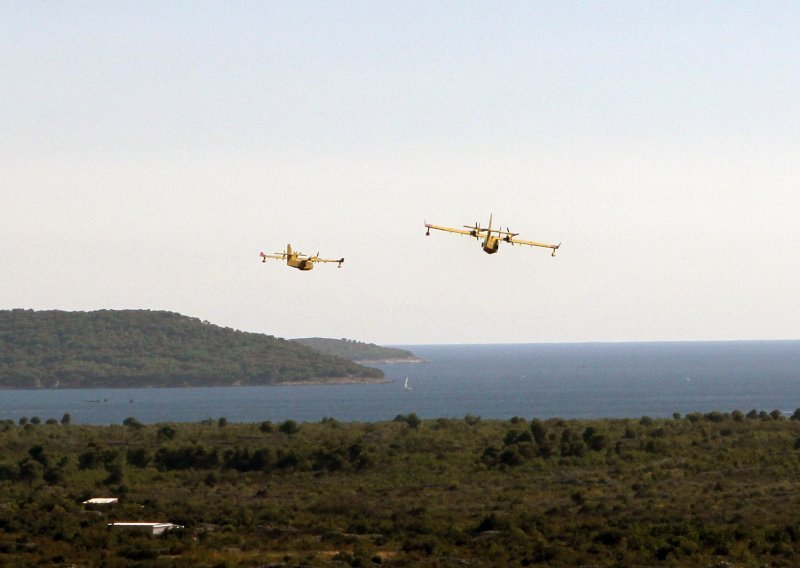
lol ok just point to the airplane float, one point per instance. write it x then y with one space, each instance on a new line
491 237
297 259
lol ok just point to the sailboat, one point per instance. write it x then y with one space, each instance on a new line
406 385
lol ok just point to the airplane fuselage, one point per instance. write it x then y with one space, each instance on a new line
491 245
299 263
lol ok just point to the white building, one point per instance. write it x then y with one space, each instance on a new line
149 528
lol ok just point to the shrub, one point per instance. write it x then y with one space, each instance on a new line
138 457
166 432
132 423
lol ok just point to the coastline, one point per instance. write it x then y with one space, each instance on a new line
312 382
391 361
333 381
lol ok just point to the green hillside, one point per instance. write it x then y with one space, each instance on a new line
142 348
354 350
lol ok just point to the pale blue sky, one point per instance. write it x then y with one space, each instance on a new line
152 149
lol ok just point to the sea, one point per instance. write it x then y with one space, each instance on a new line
576 380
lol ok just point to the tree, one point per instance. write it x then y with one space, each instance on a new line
116 473
132 423
30 470
539 431
412 420
289 427
472 420
66 419
37 453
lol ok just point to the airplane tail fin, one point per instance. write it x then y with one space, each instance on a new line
288 249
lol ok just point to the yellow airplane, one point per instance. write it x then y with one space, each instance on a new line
491 237
297 259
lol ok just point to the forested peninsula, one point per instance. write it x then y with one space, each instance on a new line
359 351
143 348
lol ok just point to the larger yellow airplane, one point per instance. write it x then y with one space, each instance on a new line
491 237
297 259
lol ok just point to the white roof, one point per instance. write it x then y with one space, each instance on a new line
138 524
101 500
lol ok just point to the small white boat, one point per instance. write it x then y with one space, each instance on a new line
406 385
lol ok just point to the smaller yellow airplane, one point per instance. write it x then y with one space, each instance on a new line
297 259
491 237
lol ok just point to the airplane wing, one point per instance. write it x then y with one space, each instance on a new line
499 232
452 230
532 244
278 256
339 261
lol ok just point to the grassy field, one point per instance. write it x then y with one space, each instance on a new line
720 489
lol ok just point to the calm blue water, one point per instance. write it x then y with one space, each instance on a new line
620 380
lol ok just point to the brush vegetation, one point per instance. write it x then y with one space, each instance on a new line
142 348
715 489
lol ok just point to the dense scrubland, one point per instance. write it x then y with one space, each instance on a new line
143 348
697 490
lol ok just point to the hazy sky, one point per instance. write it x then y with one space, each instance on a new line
151 150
